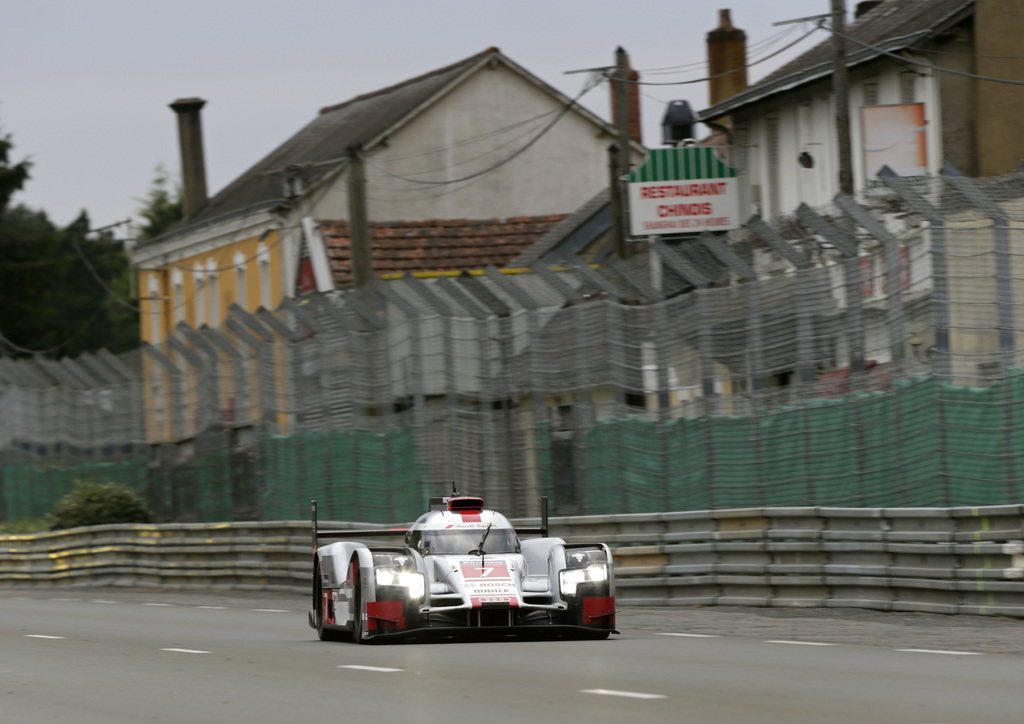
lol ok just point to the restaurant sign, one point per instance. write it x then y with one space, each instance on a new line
679 190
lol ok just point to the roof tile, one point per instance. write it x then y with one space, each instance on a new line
437 244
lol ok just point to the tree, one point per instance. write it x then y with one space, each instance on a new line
30 266
61 292
162 207
12 176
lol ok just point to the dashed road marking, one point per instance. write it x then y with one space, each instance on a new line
801 643
42 636
165 605
627 694
187 651
368 668
692 636
99 600
939 651
65 599
214 608
271 610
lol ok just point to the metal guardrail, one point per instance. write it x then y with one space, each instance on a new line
934 560
256 556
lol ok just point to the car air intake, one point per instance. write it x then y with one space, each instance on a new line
465 504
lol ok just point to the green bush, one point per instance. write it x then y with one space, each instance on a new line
24 526
99 504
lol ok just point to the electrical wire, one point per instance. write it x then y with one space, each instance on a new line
822 26
734 70
95 275
464 161
590 85
25 350
471 139
753 50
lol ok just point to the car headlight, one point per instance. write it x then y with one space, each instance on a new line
412 580
570 578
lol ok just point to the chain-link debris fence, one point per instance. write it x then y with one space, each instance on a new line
861 355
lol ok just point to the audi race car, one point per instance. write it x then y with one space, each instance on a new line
463 571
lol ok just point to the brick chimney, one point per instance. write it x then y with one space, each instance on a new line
193 164
727 50
635 130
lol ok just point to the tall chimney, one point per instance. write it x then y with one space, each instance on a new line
635 130
193 165
727 50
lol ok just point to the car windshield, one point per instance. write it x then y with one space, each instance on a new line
458 542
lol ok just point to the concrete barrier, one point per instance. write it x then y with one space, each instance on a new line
934 560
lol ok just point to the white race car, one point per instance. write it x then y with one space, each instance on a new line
462 571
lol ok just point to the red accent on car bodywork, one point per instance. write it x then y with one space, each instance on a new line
470 517
466 504
327 609
599 611
384 616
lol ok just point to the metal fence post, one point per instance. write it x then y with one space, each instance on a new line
1005 313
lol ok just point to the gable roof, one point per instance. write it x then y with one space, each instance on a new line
320 147
436 245
891 26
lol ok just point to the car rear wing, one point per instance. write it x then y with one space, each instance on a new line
318 534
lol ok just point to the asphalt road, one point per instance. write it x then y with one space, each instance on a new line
116 655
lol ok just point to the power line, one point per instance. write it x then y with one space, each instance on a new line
25 350
964 74
590 85
752 50
734 70
464 161
95 275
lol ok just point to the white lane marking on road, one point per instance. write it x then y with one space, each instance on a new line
271 610
627 694
801 643
158 604
368 668
693 636
42 636
65 599
187 651
214 608
98 600
939 651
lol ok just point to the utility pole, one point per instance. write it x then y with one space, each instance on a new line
622 158
618 239
358 225
840 89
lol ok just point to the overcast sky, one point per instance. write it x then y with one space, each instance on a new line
85 86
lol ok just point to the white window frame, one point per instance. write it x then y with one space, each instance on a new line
241 292
177 297
213 289
263 255
199 277
154 309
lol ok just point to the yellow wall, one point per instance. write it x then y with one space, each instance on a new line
223 260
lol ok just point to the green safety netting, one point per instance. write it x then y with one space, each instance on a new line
921 444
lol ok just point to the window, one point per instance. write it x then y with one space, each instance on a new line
263 254
200 279
870 89
908 87
213 287
154 306
177 297
772 133
241 293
